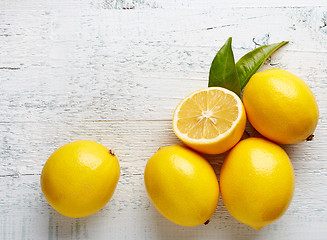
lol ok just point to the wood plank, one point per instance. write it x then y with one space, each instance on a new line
155 4
27 145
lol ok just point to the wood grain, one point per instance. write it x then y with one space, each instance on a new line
113 71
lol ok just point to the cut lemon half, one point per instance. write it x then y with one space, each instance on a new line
210 120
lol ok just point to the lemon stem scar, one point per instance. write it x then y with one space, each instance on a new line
310 138
206 222
111 152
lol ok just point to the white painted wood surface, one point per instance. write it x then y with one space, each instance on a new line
113 71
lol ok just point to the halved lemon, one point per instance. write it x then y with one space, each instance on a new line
210 120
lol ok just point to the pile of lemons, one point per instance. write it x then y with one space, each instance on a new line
256 179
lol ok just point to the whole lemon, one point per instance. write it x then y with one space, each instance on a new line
257 182
182 185
281 106
79 178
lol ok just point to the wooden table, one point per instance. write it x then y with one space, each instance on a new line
113 71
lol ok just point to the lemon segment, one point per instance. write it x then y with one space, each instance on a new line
210 120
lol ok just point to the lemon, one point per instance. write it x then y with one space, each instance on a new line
182 185
79 178
210 120
281 106
257 182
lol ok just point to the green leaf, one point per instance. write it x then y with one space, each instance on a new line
250 63
222 71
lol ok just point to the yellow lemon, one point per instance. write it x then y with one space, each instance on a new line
182 185
281 106
210 120
80 178
257 182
